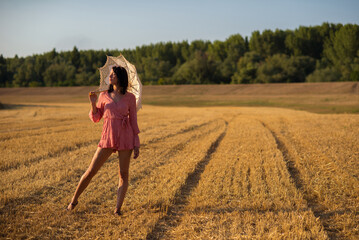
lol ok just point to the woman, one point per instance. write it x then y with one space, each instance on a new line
120 133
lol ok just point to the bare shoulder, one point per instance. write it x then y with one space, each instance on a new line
131 95
104 93
101 95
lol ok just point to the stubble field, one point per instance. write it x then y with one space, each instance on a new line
224 172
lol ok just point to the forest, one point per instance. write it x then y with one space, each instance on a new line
323 53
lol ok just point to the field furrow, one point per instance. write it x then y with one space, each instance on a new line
246 177
11 134
32 149
28 149
325 167
203 173
51 178
181 198
167 147
57 163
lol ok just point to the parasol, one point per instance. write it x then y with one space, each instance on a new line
134 82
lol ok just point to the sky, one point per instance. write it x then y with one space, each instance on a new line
30 27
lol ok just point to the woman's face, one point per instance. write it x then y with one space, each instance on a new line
113 78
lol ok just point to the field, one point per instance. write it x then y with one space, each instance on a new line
204 172
336 97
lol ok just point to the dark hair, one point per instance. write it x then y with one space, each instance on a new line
122 79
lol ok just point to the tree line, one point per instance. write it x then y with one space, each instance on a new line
329 52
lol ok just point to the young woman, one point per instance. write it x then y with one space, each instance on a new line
120 133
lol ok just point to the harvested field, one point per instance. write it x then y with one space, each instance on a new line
325 97
224 172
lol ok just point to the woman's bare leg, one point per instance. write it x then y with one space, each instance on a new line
100 157
124 164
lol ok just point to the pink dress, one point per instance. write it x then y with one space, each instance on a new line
120 130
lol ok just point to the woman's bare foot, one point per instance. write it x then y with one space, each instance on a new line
71 206
117 212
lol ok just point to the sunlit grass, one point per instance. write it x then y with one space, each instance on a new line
222 172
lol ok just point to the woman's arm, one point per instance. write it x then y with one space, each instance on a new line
96 111
134 125
93 107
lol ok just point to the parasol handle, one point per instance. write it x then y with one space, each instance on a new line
98 91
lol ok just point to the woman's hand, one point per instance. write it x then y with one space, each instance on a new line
92 97
136 152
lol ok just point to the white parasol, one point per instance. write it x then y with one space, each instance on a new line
134 82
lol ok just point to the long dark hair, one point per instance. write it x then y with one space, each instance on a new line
122 79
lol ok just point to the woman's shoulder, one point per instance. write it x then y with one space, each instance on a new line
130 95
101 96
104 93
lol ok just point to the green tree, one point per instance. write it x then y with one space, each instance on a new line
60 74
273 69
305 41
324 75
309 41
82 79
217 51
275 56
40 67
342 50
180 51
247 68
281 68
3 71
297 68
235 48
198 45
75 58
154 69
26 73
268 43
13 64
50 56
199 70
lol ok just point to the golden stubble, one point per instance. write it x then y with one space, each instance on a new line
215 172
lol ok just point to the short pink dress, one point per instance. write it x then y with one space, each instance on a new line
120 130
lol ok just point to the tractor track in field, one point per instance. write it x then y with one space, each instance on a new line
312 203
76 146
179 122
190 128
175 211
49 131
169 153
56 153
38 195
176 149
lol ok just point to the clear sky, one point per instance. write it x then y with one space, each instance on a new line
36 26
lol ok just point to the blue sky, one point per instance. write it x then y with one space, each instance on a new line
36 26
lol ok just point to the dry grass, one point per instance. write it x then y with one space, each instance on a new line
203 173
335 97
